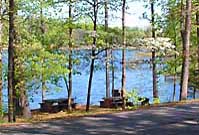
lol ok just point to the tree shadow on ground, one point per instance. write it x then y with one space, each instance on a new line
163 120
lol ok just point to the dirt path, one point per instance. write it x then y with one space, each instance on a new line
179 120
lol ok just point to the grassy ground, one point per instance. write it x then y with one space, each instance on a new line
38 116
80 112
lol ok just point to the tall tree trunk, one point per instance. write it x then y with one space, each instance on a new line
24 103
194 93
113 72
21 101
154 70
182 23
186 44
1 45
92 65
175 57
43 88
107 52
174 76
42 28
123 55
70 64
90 80
174 87
197 22
11 87
1 86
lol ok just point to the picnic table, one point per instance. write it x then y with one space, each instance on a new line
114 101
111 102
117 101
55 105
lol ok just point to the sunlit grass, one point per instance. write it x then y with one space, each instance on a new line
2 121
94 110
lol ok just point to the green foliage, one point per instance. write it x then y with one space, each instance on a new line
172 67
1 121
133 96
156 100
33 61
172 29
2 113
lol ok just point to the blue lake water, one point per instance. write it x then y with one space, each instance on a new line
139 78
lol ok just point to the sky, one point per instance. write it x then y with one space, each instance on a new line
133 16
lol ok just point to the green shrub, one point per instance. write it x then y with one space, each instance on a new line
156 100
133 96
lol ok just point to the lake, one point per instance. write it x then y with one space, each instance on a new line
139 78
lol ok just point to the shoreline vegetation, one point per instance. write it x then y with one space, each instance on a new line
80 112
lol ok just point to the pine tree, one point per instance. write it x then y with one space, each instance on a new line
11 87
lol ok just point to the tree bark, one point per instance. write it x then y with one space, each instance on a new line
182 22
186 44
113 72
175 57
107 52
197 22
175 75
194 93
42 28
24 103
21 102
11 87
123 55
70 64
174 88
92 65
1 86
90 80
43 89
20 98
154 70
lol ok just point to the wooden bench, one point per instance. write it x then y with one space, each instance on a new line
111 102
55 105
116 93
